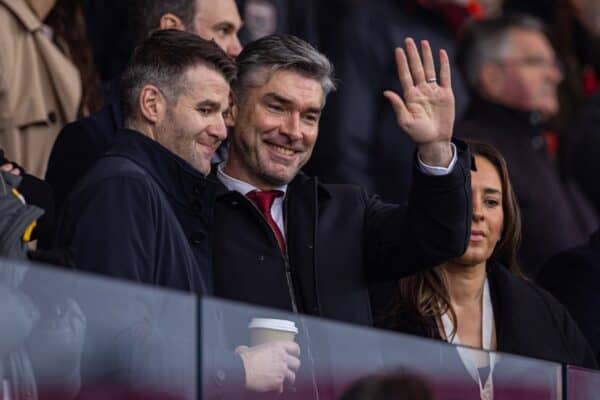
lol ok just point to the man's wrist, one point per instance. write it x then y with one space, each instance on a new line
437 154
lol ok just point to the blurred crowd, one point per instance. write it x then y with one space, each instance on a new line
478 181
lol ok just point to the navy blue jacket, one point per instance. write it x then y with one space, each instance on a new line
140 214
79 145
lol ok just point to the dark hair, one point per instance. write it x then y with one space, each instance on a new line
398 385
425 294
68 24
485 40
281 52
146 15
162 60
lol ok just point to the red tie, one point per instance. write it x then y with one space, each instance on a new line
264 201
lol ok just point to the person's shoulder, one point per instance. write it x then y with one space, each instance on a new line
98 127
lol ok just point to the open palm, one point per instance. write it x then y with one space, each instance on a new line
426 113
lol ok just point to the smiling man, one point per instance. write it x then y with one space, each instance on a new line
283 239
140 212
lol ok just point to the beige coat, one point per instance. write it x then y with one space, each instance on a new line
40 89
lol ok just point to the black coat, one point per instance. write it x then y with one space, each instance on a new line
573 277
140 213
78 146
529 322
339 240
555 215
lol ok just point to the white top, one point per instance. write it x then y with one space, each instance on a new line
244 188
471 358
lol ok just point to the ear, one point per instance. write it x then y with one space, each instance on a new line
491 80
233 112
171 21
152 104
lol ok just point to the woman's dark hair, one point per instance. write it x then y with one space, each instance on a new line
67 22
425 294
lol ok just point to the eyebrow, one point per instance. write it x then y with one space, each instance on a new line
283 100
209 103
227 25
491 191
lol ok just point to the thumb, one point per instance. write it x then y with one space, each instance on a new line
241 349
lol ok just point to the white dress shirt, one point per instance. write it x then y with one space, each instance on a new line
244 188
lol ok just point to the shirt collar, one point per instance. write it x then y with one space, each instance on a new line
237 185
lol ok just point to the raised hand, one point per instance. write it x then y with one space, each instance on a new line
427 111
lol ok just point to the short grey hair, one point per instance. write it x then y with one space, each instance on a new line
486 40
272 53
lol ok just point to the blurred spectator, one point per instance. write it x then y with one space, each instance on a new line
363 144
40 87
573 277
295 17
513 74
481 299
68 26
81 143
390 386
35 192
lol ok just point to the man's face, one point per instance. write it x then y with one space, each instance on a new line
219 20
529 75
275 130
193 127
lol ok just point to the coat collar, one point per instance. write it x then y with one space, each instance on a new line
300 182
480 108
23 13
175 176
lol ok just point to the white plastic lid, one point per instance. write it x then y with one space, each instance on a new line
274 324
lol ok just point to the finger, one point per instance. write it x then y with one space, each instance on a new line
241 349
6 167
291 348
414 60
404 75
293 363
290 376
428 64
445 74
397 104
16 171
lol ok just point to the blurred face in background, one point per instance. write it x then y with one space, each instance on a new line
220 21
526 75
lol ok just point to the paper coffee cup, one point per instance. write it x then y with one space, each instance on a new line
265 330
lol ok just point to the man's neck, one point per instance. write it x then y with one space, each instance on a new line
465 284
233 168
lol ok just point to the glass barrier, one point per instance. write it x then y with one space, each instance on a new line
67 334
333 356
582 384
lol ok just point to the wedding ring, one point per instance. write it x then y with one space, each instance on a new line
432 80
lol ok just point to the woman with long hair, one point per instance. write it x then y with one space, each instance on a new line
481 299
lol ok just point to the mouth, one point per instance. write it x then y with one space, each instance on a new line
477 236
284 151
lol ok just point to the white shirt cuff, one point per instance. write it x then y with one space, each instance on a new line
438 171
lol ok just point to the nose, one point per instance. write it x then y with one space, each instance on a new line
477 210
218 128
291 127
234 48
556 72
